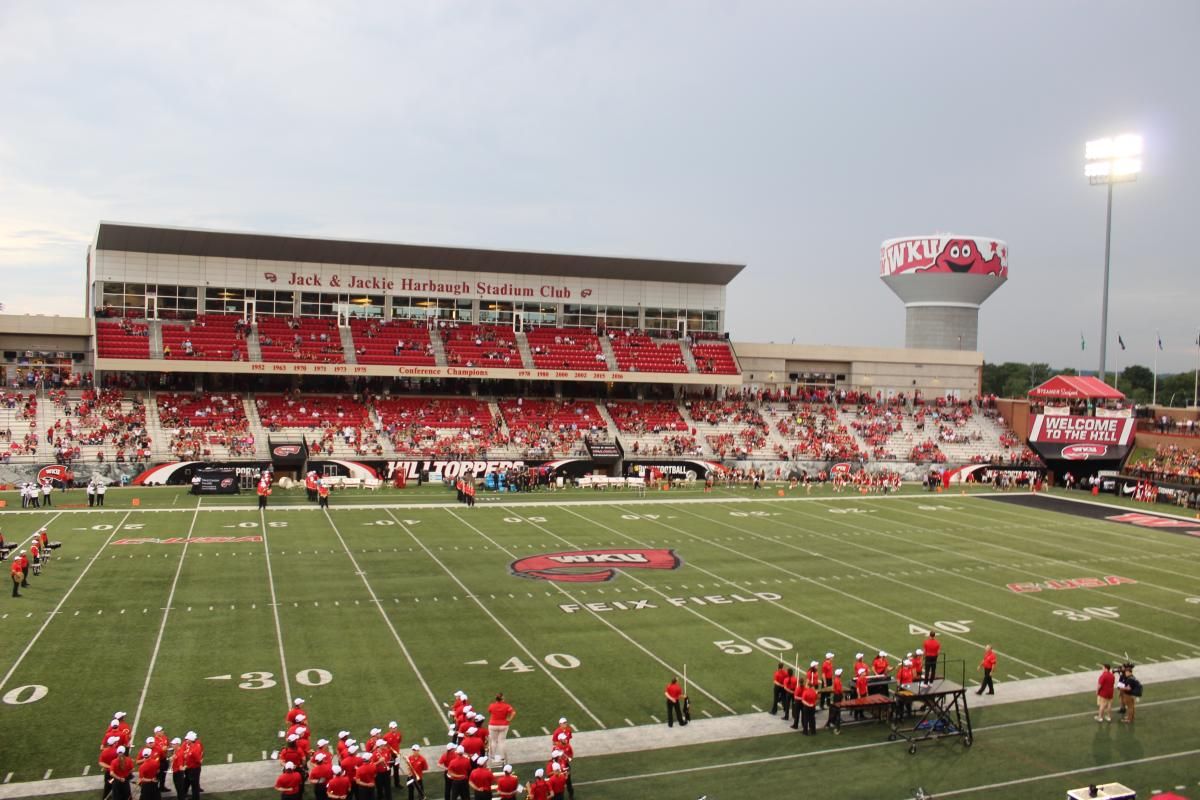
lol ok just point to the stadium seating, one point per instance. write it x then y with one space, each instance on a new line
400 342
480 346
565 348
636 352
732 428
439 427
124 339
212 337
93 427
714 357
551 427
309 339
204 424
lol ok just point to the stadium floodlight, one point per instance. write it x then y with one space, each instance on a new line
1114 159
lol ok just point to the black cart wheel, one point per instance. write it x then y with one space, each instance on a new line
912 749
968 741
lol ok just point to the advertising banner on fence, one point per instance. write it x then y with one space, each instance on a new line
218 481
1075 438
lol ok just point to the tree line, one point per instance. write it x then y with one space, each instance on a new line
1015 379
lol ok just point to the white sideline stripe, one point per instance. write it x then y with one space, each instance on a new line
499 624
437 707
957 601
1035 596
287 683
162 627
1064 773
611 626
61 602
255 774
1051 560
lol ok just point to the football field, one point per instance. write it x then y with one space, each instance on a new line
212 616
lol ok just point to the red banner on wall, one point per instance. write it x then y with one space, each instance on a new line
1076 438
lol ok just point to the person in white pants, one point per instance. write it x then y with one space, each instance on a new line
501 717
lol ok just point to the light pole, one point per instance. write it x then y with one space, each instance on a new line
1112 160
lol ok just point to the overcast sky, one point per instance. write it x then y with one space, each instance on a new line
793 137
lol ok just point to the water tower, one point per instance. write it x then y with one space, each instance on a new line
943 279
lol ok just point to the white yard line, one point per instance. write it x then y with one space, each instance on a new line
466 590
437 707
61 602
162 627
773 655
1087 527
287 683
957 601
1051 560
854 597
671 668
1033 596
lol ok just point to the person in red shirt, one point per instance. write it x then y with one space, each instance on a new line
808 709
836 695
905 675
364 781
859 663
881 665
778 690
179 767
22 562
109 751
121 768
539 789
114 729
826 678
457 771
290 752
861 688
987 665
472 744
381 757
507 784
417 766
352 761
673 693
394 737
339 785
148 775
813 676
194 761
35 554
289 783
444 762
1105 690
932 647
480 779
162 750
789 691
501 714
562 728
15 572
557 781
320 771
797 693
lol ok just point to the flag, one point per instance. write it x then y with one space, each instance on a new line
1120 341
1082 341
1159 340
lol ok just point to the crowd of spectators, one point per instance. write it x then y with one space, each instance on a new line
1170 461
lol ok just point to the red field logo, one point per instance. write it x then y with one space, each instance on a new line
591 566
53 472
1082 452
285 450
841 468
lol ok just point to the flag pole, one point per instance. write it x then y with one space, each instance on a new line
1196 377
1157 345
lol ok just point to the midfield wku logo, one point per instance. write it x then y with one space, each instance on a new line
578 566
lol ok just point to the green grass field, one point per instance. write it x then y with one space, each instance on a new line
212 616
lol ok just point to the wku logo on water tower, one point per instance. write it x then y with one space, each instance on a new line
591 566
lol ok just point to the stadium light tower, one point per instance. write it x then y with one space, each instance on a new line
1116 159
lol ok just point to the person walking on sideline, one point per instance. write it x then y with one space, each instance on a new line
1105 686
987 665
501 717
673 693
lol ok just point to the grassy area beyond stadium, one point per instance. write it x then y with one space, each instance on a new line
213 616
